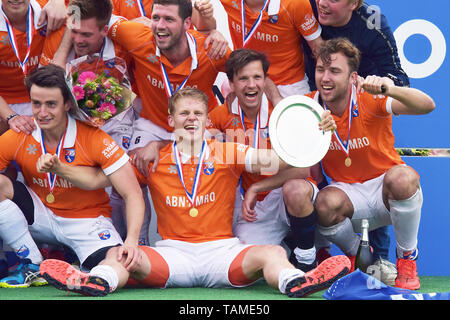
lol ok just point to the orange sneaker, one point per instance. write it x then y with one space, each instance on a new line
319 278
64 276
352 261
407 277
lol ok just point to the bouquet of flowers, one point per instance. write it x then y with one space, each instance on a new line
100 88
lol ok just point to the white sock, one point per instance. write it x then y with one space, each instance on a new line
343 236
14 232
306 256
108 274
405 216
285 276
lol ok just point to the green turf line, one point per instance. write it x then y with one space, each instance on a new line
258 292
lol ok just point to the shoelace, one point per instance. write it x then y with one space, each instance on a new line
30 276
407 268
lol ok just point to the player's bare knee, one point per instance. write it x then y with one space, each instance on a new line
401 182
297 190
274 253
331 207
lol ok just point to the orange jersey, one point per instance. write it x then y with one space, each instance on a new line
12 87
230 123
279 35
223 164
131 9
83 146
371 140
138 40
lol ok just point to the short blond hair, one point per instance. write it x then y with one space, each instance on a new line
193 93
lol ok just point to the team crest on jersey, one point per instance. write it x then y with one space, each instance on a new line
273 19
208 168
104 235
355 111
110 63
264 133
69 155
43 31
23 252
126 142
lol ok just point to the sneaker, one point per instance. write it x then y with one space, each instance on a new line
352 262
26 274
320 278
64 276
305 267
388 271
407 274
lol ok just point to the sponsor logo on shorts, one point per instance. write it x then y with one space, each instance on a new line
126 142
23 252
104 235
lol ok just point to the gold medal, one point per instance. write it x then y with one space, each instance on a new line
348 162
193 212
50 198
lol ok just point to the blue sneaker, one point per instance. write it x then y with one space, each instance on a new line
26 274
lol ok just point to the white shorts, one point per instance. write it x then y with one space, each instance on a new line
300 87
204 264
120 128
367 200
272 224
146 131
83 235
23 109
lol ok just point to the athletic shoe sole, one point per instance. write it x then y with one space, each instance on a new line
320 278
64 276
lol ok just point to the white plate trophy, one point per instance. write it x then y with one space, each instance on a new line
294 131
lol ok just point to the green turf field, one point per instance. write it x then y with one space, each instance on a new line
259 291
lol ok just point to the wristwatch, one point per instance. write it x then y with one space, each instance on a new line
10 117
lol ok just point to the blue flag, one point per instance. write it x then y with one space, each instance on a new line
360 286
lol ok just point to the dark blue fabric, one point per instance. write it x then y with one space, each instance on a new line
377 45
360 286
379 240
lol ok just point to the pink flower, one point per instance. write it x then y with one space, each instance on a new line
107 84
106 106
86 76
78 92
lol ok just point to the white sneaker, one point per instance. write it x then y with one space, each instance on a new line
388 271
